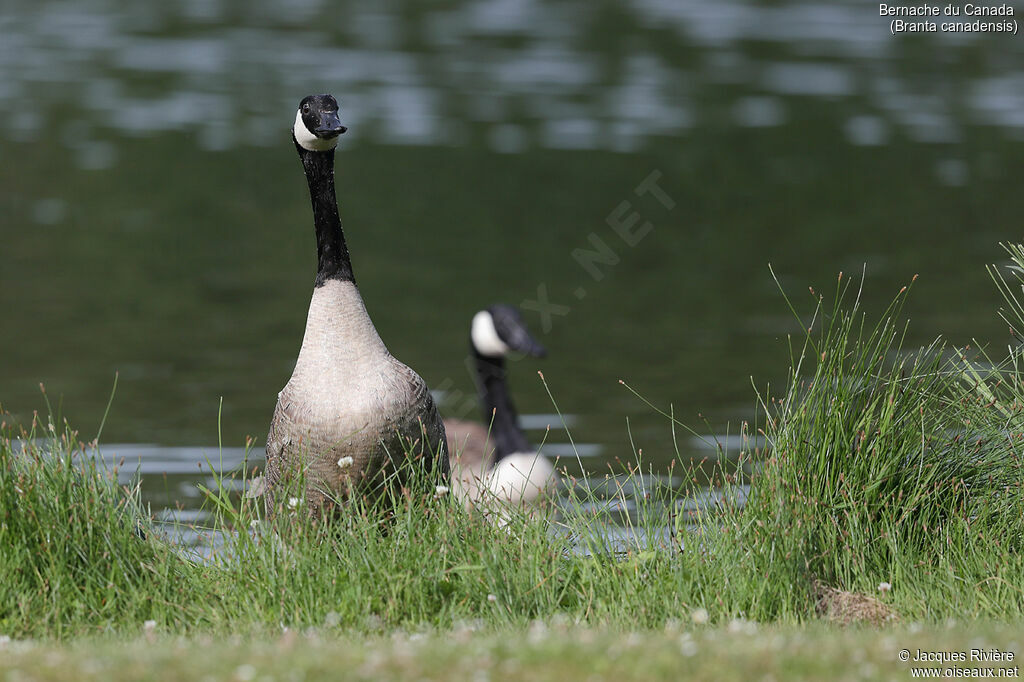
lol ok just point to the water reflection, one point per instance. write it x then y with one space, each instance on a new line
529 73
609 513
618 509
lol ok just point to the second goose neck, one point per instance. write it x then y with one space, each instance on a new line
505 432
333 261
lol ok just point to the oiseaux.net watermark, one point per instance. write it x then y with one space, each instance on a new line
976 663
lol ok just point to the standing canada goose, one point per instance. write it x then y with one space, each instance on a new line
494 459
351 411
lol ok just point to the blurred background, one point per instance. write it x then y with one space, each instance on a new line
155 219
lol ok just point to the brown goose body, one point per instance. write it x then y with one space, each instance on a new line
348 398
470 457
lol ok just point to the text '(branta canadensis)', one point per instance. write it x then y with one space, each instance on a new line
351 414
494 460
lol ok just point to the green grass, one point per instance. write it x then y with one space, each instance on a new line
73 561
886 465
878 464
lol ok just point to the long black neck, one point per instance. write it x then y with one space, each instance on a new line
505 432
332 253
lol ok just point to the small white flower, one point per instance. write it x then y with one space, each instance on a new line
687 646
149 625
245 673
255 523
441 491
742 626
699 616
293 502
345 462
492 598
884 587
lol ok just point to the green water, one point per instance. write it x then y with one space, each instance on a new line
189 272
166 235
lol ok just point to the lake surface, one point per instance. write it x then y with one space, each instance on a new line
155 221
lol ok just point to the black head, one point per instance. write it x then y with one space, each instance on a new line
500 329
317 125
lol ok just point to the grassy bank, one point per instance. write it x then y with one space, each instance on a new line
886 489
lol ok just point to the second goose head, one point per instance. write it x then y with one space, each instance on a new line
499 330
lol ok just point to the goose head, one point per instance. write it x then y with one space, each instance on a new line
499 330
317 125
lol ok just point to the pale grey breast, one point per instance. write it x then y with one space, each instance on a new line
348 397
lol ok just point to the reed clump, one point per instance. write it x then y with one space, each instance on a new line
888 466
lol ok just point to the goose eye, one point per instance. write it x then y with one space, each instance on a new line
305 108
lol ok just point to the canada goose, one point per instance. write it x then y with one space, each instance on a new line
350 410
496 462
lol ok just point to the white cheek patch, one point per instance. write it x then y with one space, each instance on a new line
308 140
485 336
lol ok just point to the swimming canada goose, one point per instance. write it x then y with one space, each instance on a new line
351 410
494 459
